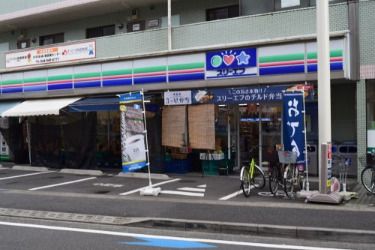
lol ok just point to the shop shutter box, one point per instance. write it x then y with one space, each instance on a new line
174 126
202 126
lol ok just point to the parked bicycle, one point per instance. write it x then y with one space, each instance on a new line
292 176
251 176
368 174
275 179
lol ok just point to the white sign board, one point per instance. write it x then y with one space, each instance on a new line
289 3
177 98
55 54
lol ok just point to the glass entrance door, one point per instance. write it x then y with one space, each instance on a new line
260 127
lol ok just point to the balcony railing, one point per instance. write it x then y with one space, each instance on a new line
297 22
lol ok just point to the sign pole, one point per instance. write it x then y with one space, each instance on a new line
150 190
305 132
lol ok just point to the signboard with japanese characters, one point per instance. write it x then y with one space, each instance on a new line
55 54
231 63
177 98
293 124
238 95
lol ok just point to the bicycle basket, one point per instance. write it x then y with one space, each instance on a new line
287 157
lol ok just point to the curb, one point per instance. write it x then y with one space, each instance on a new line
30 168
81 171
312 233
71 217
144 176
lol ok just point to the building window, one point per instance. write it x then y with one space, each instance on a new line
222 12
51 39
100 31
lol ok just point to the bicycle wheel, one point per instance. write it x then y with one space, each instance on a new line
258 180
288 181
245 181
368 179
273 182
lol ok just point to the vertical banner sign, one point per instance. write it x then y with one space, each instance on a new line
133 149
293 124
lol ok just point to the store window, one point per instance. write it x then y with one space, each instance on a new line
100 31
51 39
222 12
108 148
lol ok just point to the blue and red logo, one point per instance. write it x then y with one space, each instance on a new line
231 59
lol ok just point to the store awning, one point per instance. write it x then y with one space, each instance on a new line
4 106
92 104
39 107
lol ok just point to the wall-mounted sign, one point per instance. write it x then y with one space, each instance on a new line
56 54
177 98
231 63
239 95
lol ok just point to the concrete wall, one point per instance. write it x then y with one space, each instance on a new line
251 28
367 32
15 5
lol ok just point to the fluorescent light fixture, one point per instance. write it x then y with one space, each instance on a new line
242 104
222 105
147 101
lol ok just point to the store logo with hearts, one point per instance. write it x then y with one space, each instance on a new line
231 63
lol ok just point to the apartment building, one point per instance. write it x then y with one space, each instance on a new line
213 74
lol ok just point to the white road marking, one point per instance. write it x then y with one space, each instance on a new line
202 186
230 196
182 193
62 184
113 233
192 189
108 185
24 175
154 185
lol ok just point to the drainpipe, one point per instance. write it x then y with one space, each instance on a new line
169 25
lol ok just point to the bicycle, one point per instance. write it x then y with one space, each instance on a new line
251 176
275 179
368 176
292 179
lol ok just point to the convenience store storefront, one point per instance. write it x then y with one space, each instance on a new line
253 68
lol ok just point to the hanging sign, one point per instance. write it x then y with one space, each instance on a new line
133 147
231 63
293 124
177 98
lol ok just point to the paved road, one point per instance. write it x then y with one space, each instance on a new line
22 234
183 197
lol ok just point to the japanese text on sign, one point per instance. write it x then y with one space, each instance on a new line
294 138
177 98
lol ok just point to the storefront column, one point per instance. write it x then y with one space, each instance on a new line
361 125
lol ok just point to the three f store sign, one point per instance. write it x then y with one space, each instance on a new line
294 124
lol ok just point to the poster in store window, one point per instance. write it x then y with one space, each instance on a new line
133 147
294 124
